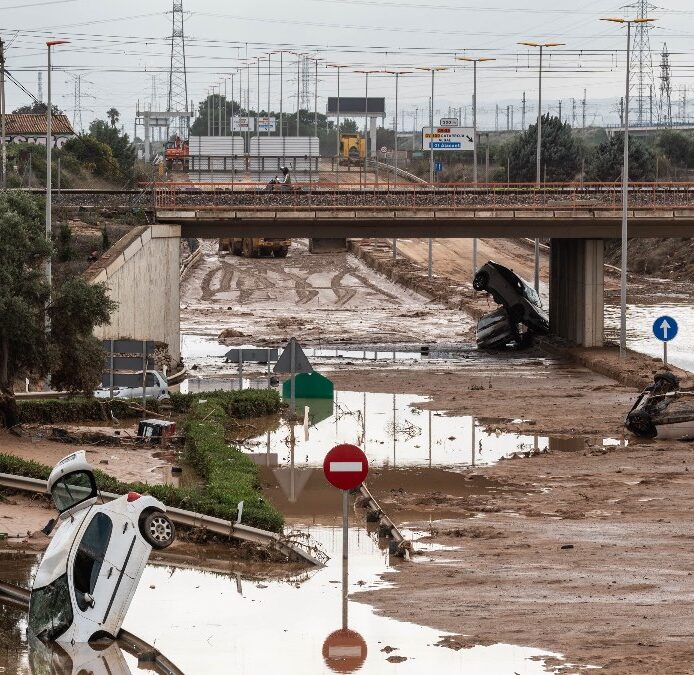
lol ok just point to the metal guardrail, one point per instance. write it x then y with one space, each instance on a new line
19 597
219 526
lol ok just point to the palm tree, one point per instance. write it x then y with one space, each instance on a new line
114 116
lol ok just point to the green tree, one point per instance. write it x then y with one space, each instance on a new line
124 152
348 126
605 162
113 116
23 289
75 311
676 146
36 108
561 152
65 242
93 155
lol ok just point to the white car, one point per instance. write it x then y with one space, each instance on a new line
93 564
156 387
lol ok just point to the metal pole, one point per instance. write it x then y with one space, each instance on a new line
625 207
665 353
226 114
345 556
431 129
395 150
209 119
474 154
292 385
431 251
474 123
282 97
219 106
49 215
315 104
2 115
366 127
538 176
298 92
337 165
269 77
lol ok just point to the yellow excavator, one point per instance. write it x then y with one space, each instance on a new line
255 247
352 149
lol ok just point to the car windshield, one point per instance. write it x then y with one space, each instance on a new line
531 295
73 489
50 611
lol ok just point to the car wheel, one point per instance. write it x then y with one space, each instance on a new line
158 530
479 283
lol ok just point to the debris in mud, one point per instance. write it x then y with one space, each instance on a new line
229 333
396 659
388 649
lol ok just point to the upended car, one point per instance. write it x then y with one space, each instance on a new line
520 314
90 571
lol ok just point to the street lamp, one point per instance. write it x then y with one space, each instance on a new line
625 189
397 74
474 62
433 71
538 177
49 191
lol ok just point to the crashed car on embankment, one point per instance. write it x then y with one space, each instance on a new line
520 315
663 410
90 571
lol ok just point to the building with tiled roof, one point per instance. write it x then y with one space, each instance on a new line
29 128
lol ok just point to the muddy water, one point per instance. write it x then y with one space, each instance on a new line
232 624
640 338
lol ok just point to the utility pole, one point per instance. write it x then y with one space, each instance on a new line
560 110
2 115
496 118
583 104
523 113
573 112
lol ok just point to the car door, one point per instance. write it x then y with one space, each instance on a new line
93 577
152 385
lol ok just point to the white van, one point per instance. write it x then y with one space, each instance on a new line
156 387
93 564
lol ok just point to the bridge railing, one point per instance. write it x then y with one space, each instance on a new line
407 195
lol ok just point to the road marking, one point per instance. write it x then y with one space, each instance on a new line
345 467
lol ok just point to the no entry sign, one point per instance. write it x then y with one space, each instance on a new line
346 467
344 651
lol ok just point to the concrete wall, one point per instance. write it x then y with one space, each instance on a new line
142 273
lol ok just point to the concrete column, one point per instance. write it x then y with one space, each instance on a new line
372 134
576 291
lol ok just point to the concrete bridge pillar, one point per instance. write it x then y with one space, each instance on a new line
576 291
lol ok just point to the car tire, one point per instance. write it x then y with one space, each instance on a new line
158 530
479 283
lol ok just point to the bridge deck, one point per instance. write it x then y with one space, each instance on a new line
603 222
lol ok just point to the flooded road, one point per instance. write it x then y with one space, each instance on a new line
232 624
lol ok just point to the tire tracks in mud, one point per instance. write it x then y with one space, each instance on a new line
224 283
304 291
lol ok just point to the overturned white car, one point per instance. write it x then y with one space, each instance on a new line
93 564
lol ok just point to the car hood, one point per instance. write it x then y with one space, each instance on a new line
54 561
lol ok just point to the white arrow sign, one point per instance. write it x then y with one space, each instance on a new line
665 326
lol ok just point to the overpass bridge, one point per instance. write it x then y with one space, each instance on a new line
577 218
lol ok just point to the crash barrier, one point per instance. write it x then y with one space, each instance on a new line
400 173
375 513
190 262
293 547
143 651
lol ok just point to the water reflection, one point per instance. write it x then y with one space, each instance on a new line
291 625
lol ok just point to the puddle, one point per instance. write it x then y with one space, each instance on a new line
263 626
640 338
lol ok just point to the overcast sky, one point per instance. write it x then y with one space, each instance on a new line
117 47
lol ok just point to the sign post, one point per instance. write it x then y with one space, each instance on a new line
665 329
293 361
345 467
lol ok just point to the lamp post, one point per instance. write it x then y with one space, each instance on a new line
625 189
433 70
538 176
49 188
474 62
397 74
337 127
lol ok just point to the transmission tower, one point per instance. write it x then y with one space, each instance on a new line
178 81
665 98
306 101
641 65
77 105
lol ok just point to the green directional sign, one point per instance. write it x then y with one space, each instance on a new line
310 385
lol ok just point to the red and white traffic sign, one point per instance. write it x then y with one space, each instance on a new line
346 467
344 651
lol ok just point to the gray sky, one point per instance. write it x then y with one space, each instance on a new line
117 47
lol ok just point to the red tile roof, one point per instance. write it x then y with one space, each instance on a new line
35 125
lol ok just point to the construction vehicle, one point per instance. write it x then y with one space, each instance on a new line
352 149
255 247
176 151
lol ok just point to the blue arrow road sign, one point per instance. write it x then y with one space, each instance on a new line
665 328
